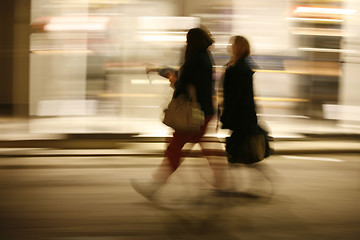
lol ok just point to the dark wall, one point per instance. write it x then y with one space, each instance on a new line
6 55
14 57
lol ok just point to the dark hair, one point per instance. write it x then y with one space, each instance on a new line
197 39
240 48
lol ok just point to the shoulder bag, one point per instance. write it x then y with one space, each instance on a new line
184 113
252 149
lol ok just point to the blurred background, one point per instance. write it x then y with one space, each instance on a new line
79 117
79 65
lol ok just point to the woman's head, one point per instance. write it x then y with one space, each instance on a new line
240 48
197 39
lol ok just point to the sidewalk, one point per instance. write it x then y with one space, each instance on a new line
99 136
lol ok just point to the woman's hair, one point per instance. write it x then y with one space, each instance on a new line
240 48
197 39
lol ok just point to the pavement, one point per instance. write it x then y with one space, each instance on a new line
48 192
90 198
107 136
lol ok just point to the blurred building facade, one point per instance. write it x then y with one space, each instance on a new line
88 58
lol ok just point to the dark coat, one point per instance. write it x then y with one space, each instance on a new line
239 112
198 70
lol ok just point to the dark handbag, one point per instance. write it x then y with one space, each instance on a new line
248 148
184 113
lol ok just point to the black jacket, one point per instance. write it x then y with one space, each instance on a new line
198 70
239 112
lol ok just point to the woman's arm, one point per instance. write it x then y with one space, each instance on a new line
166 72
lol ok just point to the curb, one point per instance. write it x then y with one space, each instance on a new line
45 152
132 145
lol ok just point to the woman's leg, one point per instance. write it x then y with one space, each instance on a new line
169 164
218 163
173 155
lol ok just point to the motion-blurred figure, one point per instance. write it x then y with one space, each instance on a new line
239 114
248 142
197 70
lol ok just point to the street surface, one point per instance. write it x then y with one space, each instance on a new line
72 198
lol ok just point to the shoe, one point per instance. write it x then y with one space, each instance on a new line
146 189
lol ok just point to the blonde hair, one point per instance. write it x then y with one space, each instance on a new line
240 48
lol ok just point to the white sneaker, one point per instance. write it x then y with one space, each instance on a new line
147 189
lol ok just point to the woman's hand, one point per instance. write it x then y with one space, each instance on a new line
150 69
165 72
172 78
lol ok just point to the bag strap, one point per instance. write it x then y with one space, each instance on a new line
218 113
191 91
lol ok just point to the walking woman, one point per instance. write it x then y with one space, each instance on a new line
197 70
239 114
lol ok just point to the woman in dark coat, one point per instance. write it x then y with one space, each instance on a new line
239 114
239 107
197 70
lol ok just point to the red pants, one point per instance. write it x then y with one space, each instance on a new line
173 152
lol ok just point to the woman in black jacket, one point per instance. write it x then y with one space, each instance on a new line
239 113
197 70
